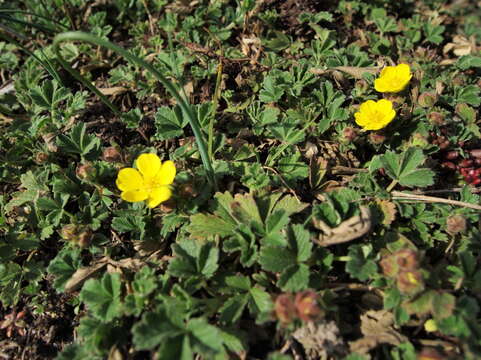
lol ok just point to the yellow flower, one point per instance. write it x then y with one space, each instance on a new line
374 115
393 78
150 182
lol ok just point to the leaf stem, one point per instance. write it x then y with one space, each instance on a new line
391 185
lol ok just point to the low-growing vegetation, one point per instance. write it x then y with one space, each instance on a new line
240 179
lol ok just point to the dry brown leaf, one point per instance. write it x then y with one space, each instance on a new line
348 230
388 210
145 248
128 263
189 89
115 354
461 46
83 274
377 328
113 91
50 139
321 340
354 71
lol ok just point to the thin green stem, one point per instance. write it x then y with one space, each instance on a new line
187 109
45 64
34 25
16 11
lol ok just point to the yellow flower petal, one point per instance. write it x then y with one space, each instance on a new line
374 115
393 78
134 195
384 105
380 85
166 174
404 71
367 106
148 165
158 195
129 179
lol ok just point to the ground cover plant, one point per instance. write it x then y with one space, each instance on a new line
240 179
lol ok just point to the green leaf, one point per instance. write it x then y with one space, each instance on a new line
433 33
278 356
10 282
276 258
330 101
468 61
271 91
274 224
233 308
383 22
128 222
233 340
202 226
78 142
443 305
205 334
294 278
154 329
293 169
169 122
260 301
468 94
193 258
238 282
300 242
404 168
422 305
63 266
361 264
245 241
132 118
102 297
49 95
392 298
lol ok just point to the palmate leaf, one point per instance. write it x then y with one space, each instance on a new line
232 212
63 266
362 262
294 278
49 95
271 91
169 122
288 260
153 329
276 258
78 142
102 297
405 169
193 258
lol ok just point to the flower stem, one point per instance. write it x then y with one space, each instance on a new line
194 124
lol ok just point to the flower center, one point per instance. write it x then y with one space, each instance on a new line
150 184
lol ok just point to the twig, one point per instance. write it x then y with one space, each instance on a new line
446 191
397 195
283 181
350 286
347 170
